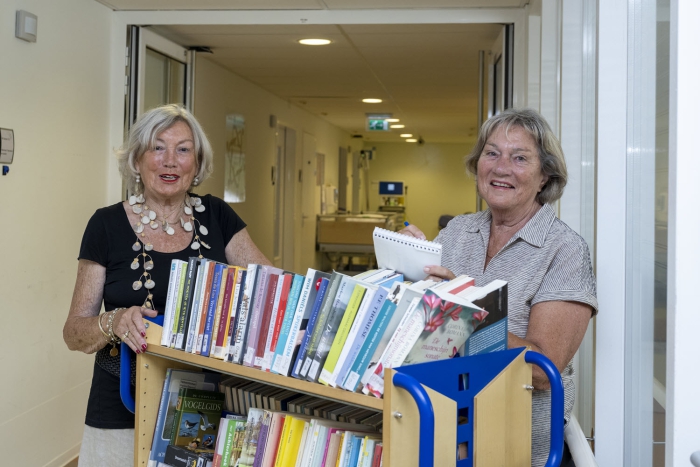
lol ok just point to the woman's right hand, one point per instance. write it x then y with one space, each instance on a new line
412 231
129 327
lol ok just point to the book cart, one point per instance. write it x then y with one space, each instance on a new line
479 406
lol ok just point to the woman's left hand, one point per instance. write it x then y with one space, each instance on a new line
438 273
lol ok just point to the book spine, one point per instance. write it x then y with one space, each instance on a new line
364 321
170 303
219 309
256 315
292 302
296 373
262 439
220 441
178 302
244 312
186 302
157 453
271 295
331 360
221 342
279 315
202 318
283 362
399 346
196 301
236 309
211 309
321 320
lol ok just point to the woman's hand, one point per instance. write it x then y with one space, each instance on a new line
438 273
129 327
412 231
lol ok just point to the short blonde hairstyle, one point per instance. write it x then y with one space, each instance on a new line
145 132
552 163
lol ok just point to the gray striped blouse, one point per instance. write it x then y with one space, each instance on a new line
544 261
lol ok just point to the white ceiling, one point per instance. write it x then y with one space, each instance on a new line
426 74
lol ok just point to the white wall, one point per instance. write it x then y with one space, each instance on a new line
54 95
435 176
220 92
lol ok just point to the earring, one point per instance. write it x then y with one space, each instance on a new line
138 179
195 182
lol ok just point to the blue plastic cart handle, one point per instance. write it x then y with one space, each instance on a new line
556 433
125 371
426 445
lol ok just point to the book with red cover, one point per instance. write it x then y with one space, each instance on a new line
279 315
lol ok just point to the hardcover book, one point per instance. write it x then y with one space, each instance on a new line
220 343
197 416
174 380
182 275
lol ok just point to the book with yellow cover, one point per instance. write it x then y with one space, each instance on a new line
348 317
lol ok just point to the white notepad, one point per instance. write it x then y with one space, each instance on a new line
405 254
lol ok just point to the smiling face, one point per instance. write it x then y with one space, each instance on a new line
509 174
167 169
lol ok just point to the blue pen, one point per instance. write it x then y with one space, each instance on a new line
406 224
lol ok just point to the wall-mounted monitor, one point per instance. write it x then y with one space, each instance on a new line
391 189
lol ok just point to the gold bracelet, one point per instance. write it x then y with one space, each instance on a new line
113 352
99 324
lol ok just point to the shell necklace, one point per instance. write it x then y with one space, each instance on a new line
149 217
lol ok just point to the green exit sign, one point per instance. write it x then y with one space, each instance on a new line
377 124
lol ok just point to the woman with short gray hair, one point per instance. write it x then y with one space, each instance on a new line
520 169
125 259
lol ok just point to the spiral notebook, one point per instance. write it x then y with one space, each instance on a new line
405 254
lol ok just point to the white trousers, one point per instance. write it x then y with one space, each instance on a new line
106 448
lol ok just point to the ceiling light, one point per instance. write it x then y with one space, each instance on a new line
314 41
411 140
406 135
392 120
397 126
371 101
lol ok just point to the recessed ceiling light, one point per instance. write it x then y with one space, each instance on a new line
314 41
371 101
406 135
411 140
392 120
397 126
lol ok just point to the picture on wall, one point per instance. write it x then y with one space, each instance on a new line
234 178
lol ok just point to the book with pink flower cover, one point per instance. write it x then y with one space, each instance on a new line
448 321
435 327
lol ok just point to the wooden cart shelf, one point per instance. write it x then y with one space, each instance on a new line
489 417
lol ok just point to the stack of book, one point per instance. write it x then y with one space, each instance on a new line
334 329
